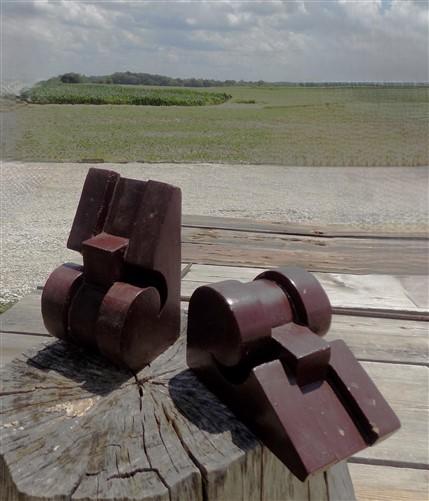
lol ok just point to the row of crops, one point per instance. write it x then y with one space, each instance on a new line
118 94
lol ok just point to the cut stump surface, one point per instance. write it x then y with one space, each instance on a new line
74 427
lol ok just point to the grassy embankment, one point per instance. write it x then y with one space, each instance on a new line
278 125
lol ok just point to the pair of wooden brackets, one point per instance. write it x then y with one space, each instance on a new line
258 346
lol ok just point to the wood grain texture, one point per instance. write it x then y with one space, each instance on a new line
338 482
12 345
382 339
405 387
386 483
343 255
24 317
360 292
417 289
72 427
291 228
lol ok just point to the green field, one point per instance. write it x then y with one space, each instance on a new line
276 125
120 94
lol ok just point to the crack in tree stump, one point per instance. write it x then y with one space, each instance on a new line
75 428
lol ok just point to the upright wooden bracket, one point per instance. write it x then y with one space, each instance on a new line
125 299
258 346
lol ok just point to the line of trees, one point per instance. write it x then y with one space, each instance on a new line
130 78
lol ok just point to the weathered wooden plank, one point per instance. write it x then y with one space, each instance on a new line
338 482
74 428
344 255
406 389
382 339
370 338
290 228
367 291
417 289
363 292
386 483
12 345
24 317
207 273
274 487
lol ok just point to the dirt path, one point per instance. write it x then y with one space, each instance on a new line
39 200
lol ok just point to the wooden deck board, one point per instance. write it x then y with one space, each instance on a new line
362 292
386 483
405 387
24 317
382 339
417 289
290 228
345 255
12 345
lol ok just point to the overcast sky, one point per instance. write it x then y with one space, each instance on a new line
329 40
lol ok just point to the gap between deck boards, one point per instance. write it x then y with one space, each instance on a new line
289 228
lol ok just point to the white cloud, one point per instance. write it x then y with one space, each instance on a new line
294 40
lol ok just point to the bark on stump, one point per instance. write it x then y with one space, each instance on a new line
73 427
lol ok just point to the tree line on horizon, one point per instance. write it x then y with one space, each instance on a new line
131 78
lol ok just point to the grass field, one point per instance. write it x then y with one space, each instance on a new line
121 94
284 125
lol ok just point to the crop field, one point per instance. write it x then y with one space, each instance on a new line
275 125
121 94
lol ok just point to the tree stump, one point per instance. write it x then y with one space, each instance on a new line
74 427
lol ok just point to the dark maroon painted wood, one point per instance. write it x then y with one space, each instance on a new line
258 346
125 300
58 293
93 206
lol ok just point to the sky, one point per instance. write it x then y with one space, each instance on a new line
302 40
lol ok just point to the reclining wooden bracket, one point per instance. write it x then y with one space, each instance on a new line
258 346
125 299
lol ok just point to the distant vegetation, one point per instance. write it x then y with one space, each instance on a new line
259 124
131 78
67 93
